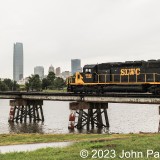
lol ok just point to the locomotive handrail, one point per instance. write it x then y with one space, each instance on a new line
124 75
128 79
113 78
69 79
145 77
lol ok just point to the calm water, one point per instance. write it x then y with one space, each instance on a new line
123 118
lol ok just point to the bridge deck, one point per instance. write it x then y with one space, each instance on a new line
105 98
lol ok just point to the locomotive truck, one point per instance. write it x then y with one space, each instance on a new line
129 76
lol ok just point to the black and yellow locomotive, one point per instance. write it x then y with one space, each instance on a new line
129 76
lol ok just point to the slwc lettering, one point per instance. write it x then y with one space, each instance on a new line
130 71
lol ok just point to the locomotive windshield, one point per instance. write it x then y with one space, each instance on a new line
88 70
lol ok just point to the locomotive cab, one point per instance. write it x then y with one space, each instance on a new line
89 73
77 82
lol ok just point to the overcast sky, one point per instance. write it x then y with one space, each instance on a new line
96 31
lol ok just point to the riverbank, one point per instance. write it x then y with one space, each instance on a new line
11 139
115 144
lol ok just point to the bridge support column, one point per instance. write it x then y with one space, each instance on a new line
21 110
89 115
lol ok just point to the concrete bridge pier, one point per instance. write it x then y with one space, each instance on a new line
22 110
88 114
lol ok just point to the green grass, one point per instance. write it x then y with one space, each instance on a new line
117 142
7 139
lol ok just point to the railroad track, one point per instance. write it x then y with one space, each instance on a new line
108 94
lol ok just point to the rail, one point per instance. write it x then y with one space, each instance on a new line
107 97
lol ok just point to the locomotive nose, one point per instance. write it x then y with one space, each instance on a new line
79 78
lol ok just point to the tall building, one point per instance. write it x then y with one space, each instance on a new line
75 66
58 71
51 69
66 74
18 61
39 70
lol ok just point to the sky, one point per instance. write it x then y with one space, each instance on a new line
96 31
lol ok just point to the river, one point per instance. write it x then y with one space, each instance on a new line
123 118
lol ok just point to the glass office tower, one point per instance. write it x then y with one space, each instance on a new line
75 66
18 62
40 71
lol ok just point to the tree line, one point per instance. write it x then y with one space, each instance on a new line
50 82
8 85
34 83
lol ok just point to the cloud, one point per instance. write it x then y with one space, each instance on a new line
54 32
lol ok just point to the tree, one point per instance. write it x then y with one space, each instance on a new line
34 83
9 83
45 83
3 86
15 86
27 86
51 78
59 83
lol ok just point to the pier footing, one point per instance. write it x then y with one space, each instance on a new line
89 115
26 110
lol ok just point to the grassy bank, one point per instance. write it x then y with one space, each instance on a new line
134 142
8 139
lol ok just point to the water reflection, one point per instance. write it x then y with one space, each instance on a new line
94 131
39 128
25 127
123 118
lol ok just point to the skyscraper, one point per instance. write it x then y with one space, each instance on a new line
51 69
58 71
75 66
66 74
18 62
39 70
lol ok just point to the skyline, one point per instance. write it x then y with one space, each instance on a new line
54 32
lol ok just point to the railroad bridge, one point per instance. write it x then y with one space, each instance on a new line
87 110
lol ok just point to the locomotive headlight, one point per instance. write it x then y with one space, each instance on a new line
88 75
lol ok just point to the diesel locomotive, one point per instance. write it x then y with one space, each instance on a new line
129 76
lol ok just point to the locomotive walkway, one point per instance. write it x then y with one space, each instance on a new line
105 98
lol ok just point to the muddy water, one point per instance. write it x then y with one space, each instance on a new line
123 118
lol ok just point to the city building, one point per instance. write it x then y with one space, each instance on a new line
51 69
23 81
39 70
75 66
18 62
66 74
58 71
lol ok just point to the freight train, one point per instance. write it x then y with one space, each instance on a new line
129 76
